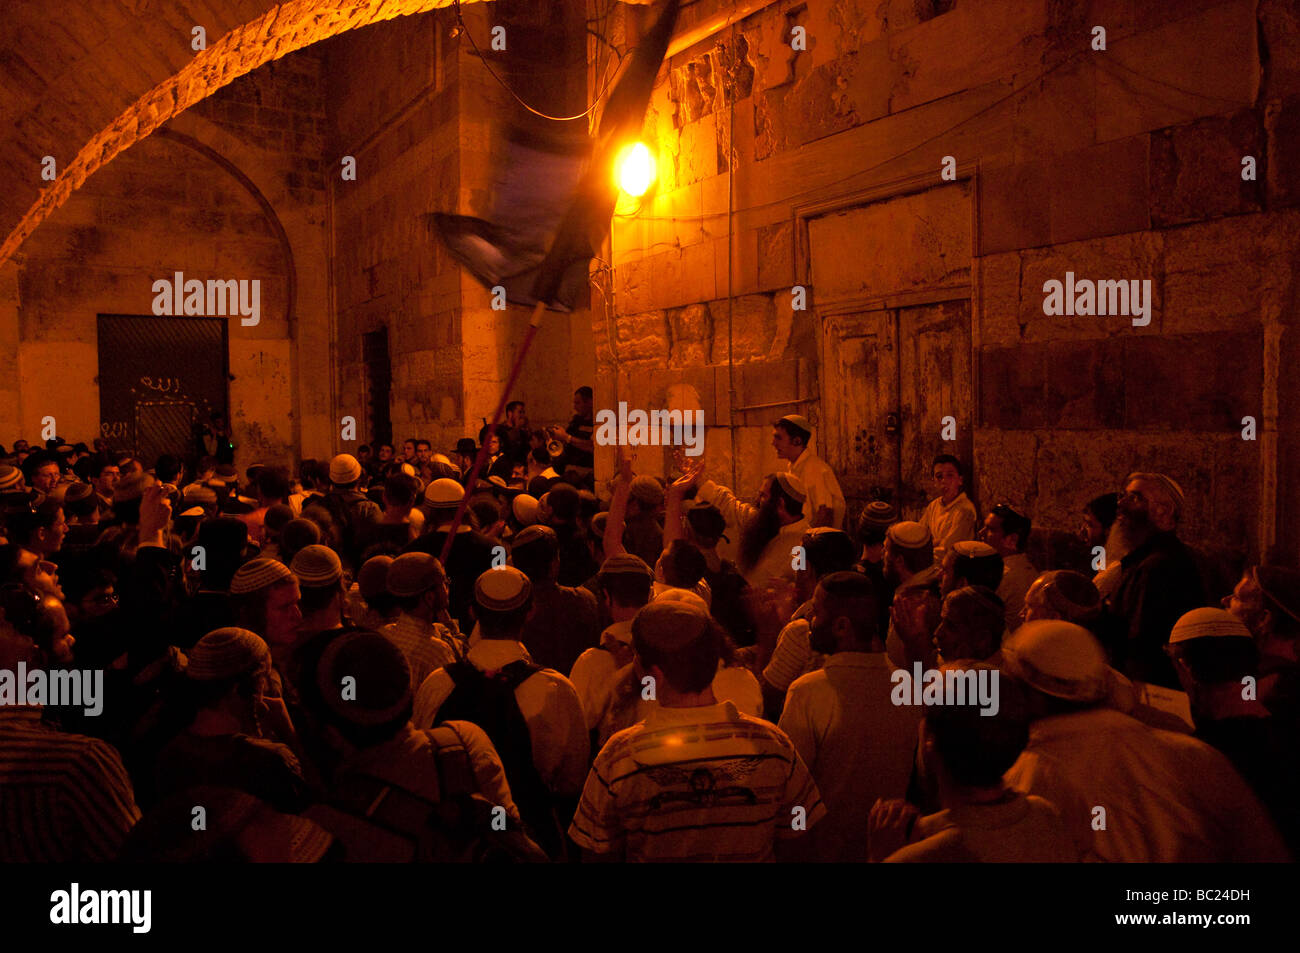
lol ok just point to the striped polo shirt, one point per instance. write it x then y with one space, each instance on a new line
696 784
63 797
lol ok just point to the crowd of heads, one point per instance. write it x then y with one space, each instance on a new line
304 618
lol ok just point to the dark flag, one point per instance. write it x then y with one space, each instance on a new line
554 198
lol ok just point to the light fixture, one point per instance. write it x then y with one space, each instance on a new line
634 169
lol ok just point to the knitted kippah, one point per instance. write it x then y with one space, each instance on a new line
909 535
316 566
364 678
372 580
503 589
525 508
225 653
258 574
444 492
1208 623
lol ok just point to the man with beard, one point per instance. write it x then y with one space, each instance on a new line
770 528
857 745
1159 581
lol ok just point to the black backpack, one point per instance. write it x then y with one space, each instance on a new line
397 825
488 700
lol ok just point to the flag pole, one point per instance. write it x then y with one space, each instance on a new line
472 482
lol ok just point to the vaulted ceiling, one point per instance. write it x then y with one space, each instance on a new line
81 80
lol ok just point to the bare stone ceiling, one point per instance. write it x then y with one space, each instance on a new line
84 79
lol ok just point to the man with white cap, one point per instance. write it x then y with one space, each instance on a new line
914 613
471 551
1267 600
547 765
1128 793
1218 664
792 439
770 528
697 780
1159 579
355 513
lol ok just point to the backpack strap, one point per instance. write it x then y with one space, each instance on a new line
518 672
455 773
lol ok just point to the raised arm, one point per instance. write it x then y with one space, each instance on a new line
617 519
677 490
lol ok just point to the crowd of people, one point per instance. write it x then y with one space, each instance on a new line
382 657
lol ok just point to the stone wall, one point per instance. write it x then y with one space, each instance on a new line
186 199
423 128
1123 163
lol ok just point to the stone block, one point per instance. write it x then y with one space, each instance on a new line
1282 125
1145 82
1196 382
775 256
642 337
1196 169
1113 258
690 332
1213 275
999 277
1100 190
699 272
1015 207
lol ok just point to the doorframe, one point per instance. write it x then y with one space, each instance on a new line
801 216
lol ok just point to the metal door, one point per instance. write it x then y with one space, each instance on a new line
158 376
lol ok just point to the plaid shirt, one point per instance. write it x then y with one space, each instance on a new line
428 646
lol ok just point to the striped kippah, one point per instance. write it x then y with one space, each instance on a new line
502 589
316 566
626 564
10 477
880 514
258 574
225 653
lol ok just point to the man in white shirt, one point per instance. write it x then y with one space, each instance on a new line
792 438
626 582
857 744
1007 531
1127 792
557 728
951 515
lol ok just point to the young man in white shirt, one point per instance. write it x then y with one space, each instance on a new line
791 438
950 517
